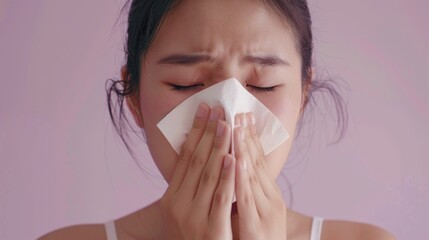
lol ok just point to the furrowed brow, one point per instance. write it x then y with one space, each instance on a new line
268 60
185 59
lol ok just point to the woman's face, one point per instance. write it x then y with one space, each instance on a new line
203 42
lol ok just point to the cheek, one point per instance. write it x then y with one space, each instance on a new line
156 103
285 105
154 109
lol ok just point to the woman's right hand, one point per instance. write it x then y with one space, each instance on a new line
197 203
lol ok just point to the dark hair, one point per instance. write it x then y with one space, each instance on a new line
144 19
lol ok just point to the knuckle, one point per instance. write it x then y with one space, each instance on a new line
221 198
196 162
185 153
253 179
198 124
218 143
208 178
225 176
211 127
259 162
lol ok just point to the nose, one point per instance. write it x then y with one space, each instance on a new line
224 70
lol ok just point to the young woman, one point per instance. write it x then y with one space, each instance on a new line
178 48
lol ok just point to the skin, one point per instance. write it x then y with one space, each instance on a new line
260 52
223 38
219 47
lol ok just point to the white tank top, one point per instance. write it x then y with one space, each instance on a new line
316 229
110 230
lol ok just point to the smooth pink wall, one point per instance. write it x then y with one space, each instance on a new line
62 164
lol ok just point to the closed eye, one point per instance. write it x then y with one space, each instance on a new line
262 89
194 87
181 88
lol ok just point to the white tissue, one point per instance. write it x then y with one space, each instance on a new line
234 99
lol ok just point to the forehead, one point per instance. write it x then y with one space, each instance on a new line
226 9
202 24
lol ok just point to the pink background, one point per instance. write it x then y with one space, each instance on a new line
62 164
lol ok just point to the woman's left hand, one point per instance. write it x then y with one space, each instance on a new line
260 206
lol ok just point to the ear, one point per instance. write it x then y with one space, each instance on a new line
306 87
133 101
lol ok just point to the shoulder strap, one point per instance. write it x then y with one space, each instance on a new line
316 228
110 230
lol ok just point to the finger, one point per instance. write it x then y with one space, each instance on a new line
244 150
210 176
245 199
254 132
222 200
253 151
201 155
257 156
189 146
252 142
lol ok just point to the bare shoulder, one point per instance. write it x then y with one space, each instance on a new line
83 232
336 229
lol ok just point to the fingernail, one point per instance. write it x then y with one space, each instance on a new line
214 115
244 120
252 119
220 129
237 122
201 111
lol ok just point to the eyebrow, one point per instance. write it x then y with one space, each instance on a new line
185 59
268 60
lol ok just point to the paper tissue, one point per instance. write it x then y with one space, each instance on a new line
234 99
